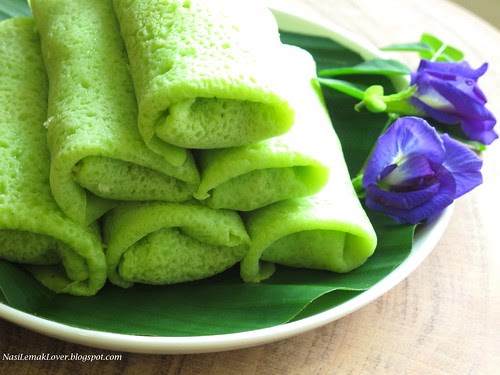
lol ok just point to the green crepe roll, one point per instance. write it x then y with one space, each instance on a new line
207 74
327 231
63 255
288 166
97 153
165 243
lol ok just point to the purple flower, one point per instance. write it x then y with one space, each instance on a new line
415 173
448 92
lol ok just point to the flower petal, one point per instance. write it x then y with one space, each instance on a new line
464 164
467 99
427 94
480 130
442 198
407 135
399 200
448 92
461 68
415 168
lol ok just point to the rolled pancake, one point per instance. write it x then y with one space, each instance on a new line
327 231
288 166
207 74
34 231
97 152
164 243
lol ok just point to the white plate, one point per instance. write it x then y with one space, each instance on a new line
425 241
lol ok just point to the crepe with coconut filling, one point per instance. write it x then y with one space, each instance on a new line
288 166
328 230
64 256
207 74
97 152
165 243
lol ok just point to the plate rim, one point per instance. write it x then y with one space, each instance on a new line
425 241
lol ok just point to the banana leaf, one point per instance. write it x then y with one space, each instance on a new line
218 305
14 8
223 303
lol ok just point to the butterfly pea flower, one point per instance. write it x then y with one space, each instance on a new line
448 92
414 172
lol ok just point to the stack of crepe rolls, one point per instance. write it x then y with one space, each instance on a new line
292 165
34 231
173 126
98 155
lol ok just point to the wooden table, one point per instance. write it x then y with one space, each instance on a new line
443 319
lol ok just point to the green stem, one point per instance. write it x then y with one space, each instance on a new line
375 101
357 183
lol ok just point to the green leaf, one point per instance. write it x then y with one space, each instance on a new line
386 67
358 131
429 47
14 8
408 47
224 304
326 52
439 51
346 87
13 282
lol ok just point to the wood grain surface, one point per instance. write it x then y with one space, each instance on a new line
443 319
